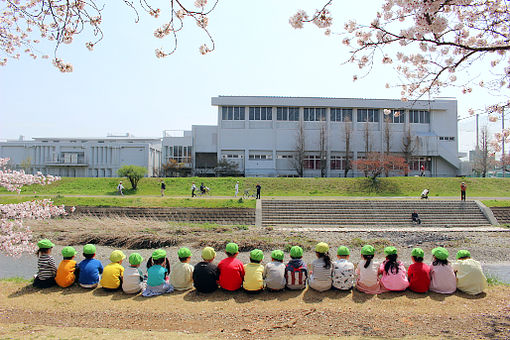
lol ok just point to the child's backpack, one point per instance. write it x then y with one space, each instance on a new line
295 277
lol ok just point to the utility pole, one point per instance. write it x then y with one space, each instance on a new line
503 142
477 140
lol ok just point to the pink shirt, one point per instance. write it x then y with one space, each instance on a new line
442 279
392 281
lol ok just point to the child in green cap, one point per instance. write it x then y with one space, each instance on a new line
205 273
470 277
90 269
367 277
133 279
181 276
46 266
231 269
254 272
113 272
274 272
67 270
296 273
418 273
321 269
343 270
158 268
394 275
442 276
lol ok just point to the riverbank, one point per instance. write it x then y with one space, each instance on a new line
26 312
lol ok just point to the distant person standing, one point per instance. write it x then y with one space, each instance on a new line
120 187
258 187
236 187
193 188
163 188
422 170
463 188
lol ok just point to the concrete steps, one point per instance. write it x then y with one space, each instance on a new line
371 213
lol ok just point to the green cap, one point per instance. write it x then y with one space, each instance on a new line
256 255
184 253
208 253
367 250
343 251
232 248
135 259
89 249
296 251
277 255
68 252
390 251
158 254
440 253
117 255
463 253
417 252
45 244
322 248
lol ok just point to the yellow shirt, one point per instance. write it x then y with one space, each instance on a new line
470 278
253 276
65 273
181 276
112 274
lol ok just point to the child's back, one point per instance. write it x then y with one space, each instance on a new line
419 277
253 277
231 273
65 273
296 274
321 275
343 274
367 278
90 269
205 277
274 274
133 279
470 277
181 276
442 279
113 272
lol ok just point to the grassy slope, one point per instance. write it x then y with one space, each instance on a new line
393 186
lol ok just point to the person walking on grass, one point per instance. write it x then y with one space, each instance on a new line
193 188
236 187
120 187
258 187
163 188
463 188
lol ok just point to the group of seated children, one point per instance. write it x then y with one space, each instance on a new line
231 274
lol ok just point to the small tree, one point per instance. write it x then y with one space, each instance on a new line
323 152
134 173
408 146
377 163
298 162
174 168
224 167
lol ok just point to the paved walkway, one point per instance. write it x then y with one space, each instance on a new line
394 229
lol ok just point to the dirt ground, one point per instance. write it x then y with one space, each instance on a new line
26 312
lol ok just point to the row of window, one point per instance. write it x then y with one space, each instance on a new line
317 114
446 138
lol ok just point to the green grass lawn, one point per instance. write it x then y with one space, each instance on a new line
224 186
136 201
496 203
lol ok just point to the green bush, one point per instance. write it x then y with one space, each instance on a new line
134 173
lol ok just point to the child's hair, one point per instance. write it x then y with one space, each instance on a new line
68 258
255 261
368 259
326 258
417 259
276 259
438 262
163 262
183 259
42 251
295 258
391 264
88 256
231 255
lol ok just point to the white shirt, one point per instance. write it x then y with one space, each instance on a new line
343 274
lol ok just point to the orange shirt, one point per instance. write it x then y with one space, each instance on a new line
65 273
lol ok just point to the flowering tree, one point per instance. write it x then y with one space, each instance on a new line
15 237
375 164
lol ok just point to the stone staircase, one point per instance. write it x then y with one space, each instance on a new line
390 213
502 214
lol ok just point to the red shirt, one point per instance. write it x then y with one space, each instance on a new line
231 273
419 277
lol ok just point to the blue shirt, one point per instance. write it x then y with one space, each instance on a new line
89 271
156 275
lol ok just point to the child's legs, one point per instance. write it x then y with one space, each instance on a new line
44 283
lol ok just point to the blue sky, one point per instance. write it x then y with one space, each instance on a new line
122 87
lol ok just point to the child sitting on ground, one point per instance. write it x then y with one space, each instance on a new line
343 270
367 279
205 273
113 272
90 269
133 279
296 273
231 269
181 276
158 268
442 276
67 270
394 277
470 277
253 272
274 272
321 269
46 267
418 273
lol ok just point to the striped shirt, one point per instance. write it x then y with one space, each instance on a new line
47 267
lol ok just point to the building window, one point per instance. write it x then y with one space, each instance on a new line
368 115
341 115
260 156
337 163
416 163
232 156
396 116
261 113
180 153
312 162
314 114
284 157
419 116
447 138
287 113
232 112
